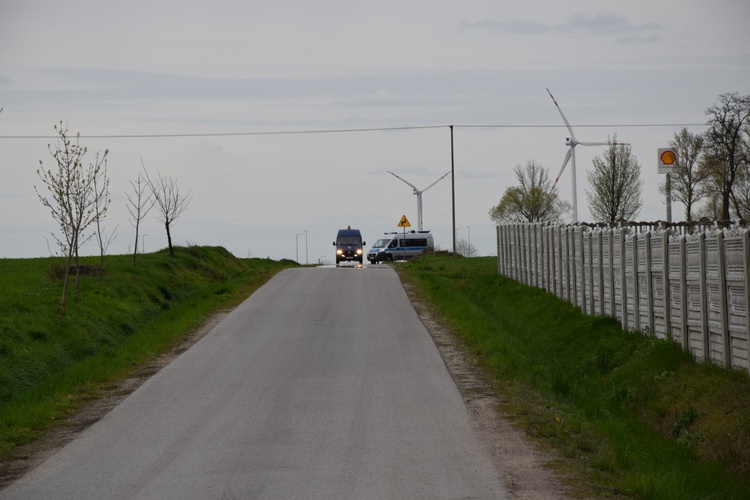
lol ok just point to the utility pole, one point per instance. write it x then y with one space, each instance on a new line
453 194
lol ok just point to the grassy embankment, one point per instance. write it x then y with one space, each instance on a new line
627 414
51 363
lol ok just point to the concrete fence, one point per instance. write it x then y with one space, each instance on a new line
694 288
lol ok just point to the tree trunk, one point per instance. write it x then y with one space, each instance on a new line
66 276
135 250
725 205
169 240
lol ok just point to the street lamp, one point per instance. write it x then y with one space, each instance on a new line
297 246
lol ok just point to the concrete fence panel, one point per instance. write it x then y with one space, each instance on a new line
691 288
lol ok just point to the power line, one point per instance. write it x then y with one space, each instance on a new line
339 131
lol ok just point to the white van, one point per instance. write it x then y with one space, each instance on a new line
400 246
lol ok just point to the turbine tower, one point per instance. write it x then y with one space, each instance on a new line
572 142
419 195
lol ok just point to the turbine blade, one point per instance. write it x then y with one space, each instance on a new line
402 180
567 124
565 162
613 143
441 178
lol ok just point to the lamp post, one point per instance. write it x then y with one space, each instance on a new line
306 259
297 245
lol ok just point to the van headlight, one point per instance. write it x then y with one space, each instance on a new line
339 252
359 251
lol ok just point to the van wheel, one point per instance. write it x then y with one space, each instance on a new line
389 258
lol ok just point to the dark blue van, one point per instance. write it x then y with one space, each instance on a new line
349 245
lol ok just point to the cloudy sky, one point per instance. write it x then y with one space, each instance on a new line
282 118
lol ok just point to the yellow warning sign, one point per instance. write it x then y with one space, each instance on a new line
404 222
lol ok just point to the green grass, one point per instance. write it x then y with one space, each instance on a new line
628 415
52 362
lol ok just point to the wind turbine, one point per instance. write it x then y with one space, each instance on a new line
571 156
419 195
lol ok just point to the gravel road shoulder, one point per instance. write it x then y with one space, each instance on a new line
520 462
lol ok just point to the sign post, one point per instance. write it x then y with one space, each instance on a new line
667 162
404 222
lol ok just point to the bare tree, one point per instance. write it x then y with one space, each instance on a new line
101 205
687 178
727 146
466 249
170 201
533 200
741 195
616 185
72 197
139 205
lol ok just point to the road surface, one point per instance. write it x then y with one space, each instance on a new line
322 385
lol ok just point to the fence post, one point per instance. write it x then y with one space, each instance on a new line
570 243
746 254
592 302
499 249
559 260
540 255
580 239
666 284
514 253
623 281
724 312
611 272
705 332
636 283
683 294
524 255
600 250
649 284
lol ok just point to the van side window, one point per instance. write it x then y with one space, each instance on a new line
419 242
393 244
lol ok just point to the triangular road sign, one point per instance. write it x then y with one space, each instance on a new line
404 222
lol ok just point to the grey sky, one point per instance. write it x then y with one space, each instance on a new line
236 67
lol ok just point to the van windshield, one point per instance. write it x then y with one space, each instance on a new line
381 243
355 240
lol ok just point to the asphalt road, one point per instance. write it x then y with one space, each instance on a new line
322 385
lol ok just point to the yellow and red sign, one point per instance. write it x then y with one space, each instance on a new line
667 160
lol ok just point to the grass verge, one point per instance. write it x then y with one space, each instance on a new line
52 362
628 415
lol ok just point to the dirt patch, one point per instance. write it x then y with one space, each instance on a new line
519 461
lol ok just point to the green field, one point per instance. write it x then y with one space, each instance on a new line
628 415
53 362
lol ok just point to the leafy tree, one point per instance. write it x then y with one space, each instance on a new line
170 201
727 156
74 191
533 200
616 185
687 178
